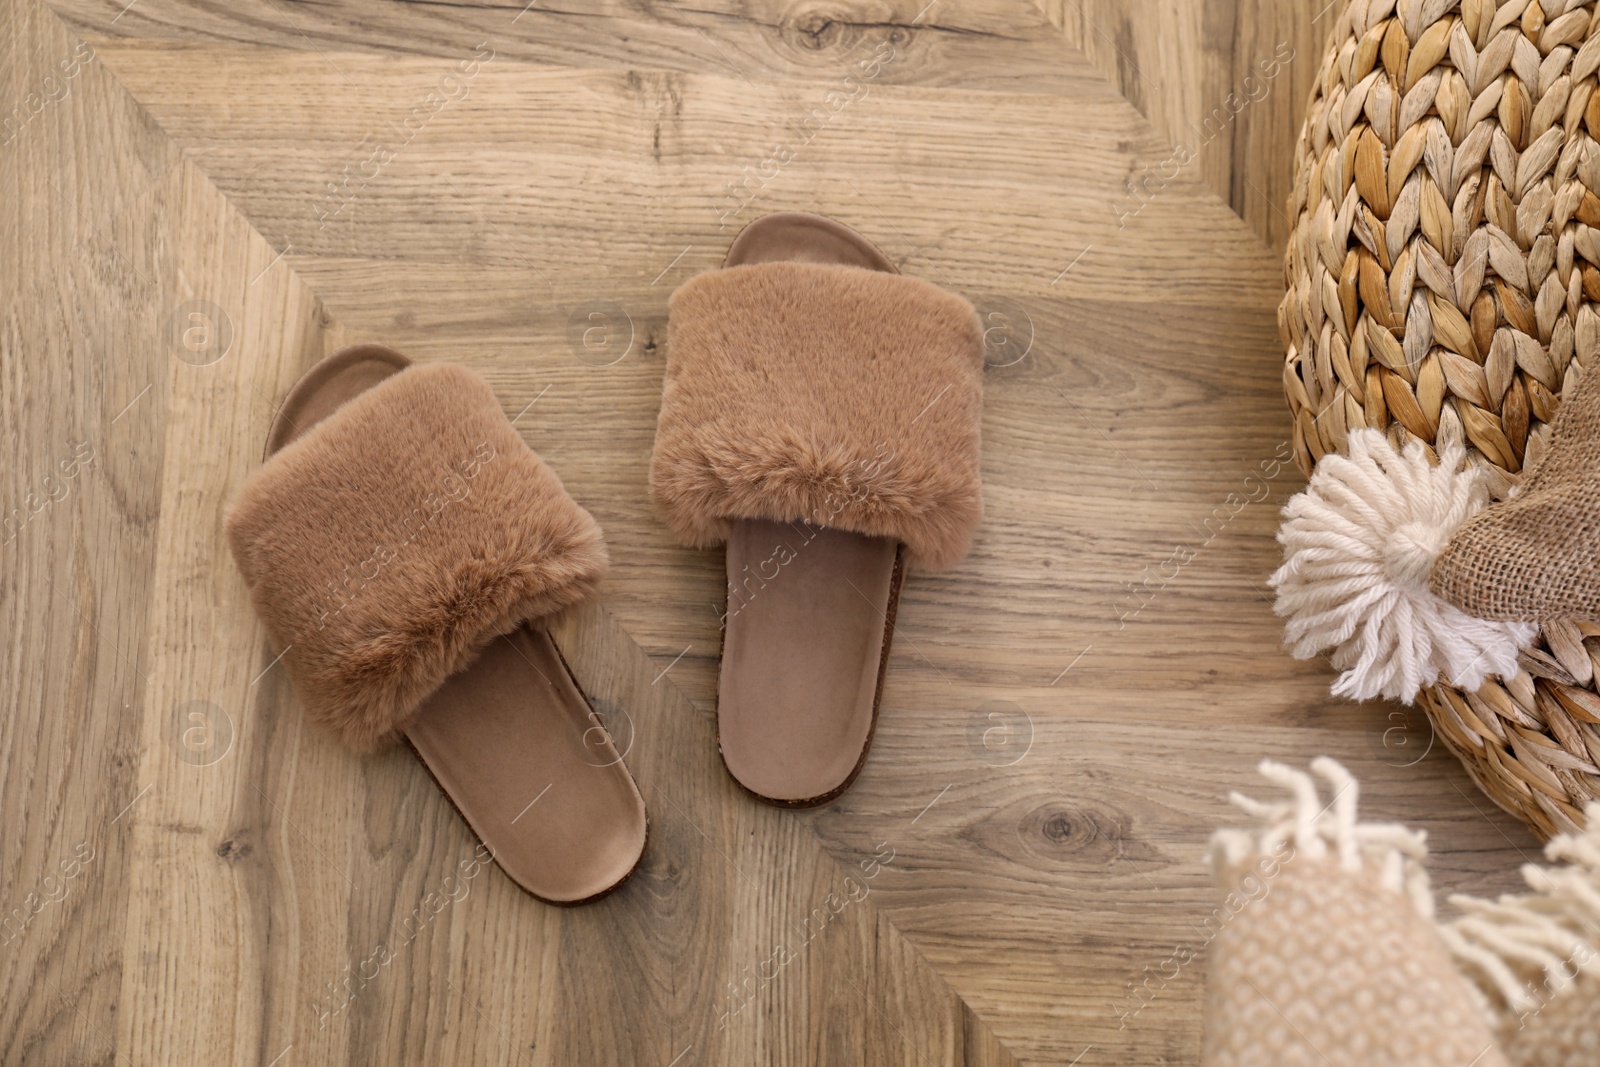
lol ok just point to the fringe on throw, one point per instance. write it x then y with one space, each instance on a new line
1318 829
1550 935
1517 953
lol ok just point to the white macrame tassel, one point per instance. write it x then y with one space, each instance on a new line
1358 545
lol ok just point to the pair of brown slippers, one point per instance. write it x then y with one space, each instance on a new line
820 417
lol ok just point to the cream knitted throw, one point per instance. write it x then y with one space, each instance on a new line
1335 957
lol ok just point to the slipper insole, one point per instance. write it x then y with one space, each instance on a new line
510 739
804 650
807 614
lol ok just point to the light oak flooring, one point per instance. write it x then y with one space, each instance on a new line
203 880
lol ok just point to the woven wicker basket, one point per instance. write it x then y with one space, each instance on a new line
1442 286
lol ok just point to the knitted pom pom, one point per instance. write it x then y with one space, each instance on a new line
1358 546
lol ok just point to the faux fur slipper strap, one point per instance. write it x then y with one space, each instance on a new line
392 541
832 395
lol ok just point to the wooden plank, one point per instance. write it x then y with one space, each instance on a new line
82 394
204 837
698 156
1224 86
998 45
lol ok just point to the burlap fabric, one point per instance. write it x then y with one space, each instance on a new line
1536 556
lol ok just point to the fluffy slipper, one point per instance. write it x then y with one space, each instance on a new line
820 417
401 545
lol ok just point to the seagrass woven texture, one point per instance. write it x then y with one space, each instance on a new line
1442 279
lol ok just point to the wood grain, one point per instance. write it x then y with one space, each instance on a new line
996 44
1227 82
1065 712
81 493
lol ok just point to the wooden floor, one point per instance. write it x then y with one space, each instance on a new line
201 198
